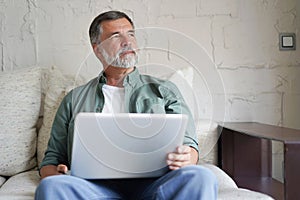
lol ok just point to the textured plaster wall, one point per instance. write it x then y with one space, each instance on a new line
260 82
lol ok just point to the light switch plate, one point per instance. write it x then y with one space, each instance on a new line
287 41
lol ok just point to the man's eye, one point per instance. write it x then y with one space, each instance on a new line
132 34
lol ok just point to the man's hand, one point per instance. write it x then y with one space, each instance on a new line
184 155
50 170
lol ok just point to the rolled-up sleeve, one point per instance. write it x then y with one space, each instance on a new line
57 150
175 103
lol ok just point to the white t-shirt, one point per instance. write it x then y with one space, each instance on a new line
114 99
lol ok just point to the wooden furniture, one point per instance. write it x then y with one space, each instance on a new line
245 153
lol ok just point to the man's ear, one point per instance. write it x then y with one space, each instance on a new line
97 52
99 55
95 49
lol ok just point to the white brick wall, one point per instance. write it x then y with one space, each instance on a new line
241 36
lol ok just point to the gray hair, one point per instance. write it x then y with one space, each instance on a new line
96 30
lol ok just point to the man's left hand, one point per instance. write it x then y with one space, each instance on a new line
183 155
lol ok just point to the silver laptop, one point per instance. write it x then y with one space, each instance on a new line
127 145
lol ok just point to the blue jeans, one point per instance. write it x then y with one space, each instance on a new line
190 182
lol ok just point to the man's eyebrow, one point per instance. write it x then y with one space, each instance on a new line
114 33
118 32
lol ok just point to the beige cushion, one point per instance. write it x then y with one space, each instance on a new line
20 187
20 92
2 180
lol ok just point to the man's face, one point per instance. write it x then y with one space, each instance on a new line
117 44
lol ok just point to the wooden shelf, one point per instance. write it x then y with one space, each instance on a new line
245 154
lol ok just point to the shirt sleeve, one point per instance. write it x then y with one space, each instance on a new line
175 104
57 150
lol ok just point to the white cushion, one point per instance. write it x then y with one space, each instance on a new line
207 132
242 194
20 92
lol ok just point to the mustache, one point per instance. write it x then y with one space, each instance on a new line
125 50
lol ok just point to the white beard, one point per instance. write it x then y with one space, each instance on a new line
129 60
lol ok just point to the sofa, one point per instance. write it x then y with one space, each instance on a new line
29 98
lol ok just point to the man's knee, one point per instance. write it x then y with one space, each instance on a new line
194 181
198 173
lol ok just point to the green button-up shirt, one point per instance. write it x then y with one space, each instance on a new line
143 94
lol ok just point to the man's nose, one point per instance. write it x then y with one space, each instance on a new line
125 41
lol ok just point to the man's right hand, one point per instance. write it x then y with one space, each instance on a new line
50 170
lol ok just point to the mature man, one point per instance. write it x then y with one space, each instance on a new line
120 88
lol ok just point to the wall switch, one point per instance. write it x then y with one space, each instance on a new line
287 41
